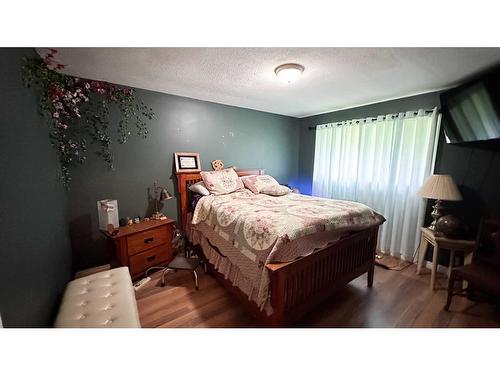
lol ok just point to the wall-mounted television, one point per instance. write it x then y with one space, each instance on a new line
471 112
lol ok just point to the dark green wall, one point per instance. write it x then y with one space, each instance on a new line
240 137
35 253
475 167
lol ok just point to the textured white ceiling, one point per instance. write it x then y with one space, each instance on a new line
334 78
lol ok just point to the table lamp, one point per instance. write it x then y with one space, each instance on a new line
442 188
160 194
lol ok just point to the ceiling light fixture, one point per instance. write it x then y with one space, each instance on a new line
289 73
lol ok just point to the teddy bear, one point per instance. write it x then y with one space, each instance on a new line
217 165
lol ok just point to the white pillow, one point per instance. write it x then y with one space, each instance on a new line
199 188
256 183
224 181
275 190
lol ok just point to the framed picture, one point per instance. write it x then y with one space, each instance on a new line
187 162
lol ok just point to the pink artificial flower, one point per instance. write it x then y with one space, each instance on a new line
55 115
63 126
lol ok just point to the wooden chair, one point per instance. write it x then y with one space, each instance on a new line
483 274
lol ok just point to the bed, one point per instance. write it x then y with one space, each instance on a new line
280 279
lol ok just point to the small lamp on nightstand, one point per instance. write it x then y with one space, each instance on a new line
442 188
160 194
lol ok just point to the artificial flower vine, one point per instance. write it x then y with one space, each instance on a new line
77 111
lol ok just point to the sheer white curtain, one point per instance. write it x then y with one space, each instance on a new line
381 162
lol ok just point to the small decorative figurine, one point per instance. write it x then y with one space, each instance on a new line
123 222
146 219
137 220
217 165
129 221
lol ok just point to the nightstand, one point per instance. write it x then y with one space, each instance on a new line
441 242
143 245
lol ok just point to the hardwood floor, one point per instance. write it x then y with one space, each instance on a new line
397 299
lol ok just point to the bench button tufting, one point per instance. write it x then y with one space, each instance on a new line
94 302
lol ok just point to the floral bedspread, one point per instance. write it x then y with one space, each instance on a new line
264 229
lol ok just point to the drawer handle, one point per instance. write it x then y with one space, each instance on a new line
151 258
148 240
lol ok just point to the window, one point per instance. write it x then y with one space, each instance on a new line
381 162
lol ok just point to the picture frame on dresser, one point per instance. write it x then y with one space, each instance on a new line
187 162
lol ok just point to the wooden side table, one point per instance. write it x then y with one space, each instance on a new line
143 245
441 242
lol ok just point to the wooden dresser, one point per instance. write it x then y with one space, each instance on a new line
143 245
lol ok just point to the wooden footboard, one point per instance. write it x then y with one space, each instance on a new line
298 287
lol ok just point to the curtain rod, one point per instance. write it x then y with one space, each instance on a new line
373 118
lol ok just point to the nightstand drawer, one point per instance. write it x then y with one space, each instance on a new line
139 242
149 258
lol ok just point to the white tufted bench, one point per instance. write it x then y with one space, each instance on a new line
105 299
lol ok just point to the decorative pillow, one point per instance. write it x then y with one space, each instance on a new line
199 188
276 190
256 183
222 182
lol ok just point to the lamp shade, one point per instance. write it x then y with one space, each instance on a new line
440 186
165 195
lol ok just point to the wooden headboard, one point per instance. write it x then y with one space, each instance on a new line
185 180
